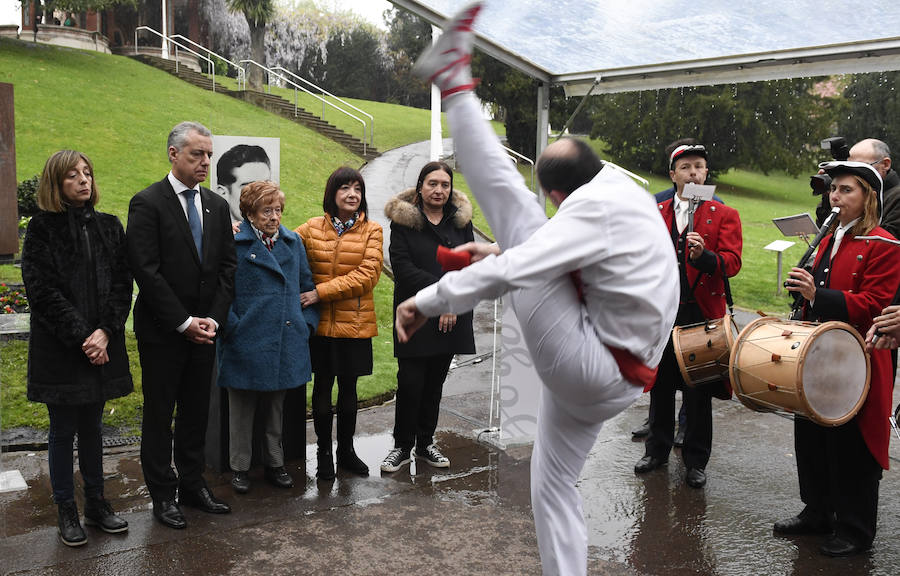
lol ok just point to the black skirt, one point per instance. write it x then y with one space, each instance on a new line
341 356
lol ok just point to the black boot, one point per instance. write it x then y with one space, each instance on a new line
98 512
324 464
324 457
346 455
70 531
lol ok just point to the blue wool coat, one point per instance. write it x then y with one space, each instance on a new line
264 344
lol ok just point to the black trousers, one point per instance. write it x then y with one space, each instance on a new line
65 422
176 378
839 478
420 385
347 405
698 412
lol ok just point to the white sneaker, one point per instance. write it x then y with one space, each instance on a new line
395 460
434 457
447 63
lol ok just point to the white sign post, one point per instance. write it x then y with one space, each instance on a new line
778 246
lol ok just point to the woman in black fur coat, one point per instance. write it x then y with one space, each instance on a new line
422 218
79 286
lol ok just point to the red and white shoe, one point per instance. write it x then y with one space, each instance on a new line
447 63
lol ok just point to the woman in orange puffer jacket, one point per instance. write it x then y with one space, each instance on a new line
344 249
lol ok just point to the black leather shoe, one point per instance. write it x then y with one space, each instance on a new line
800 525
98 512
203 500
240 482
324 465
696 478
648 463
70 531
642 430
838 547
168 513
349 461
679 438
279 477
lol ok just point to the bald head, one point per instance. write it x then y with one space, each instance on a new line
874 152
565 166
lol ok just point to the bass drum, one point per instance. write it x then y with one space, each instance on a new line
820 371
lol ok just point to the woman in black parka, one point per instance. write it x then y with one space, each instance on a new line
422 218
79 290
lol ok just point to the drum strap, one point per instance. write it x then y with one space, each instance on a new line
728 298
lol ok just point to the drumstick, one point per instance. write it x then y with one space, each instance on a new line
893 422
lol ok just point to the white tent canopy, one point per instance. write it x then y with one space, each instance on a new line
627 45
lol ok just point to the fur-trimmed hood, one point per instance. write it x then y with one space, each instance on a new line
402 209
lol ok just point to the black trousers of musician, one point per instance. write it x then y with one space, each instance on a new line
698 407
839 478
420 385
177 373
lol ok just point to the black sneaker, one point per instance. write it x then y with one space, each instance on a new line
98 512
434 457
395 460
70 531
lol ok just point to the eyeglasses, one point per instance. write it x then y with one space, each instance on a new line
269 212
876 162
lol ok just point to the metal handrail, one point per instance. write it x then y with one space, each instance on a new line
338 98
242 78
212 65
296 86
640 180
516 157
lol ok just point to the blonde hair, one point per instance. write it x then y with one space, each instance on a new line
49 195
869 220
258 193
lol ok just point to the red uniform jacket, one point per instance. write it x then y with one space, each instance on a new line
864 278
720 227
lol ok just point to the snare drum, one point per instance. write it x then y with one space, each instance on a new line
820 371
703 350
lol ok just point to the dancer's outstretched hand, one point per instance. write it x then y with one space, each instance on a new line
478 250
409 319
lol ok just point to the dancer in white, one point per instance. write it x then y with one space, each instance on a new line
595 289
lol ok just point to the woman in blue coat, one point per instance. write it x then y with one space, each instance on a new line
263 350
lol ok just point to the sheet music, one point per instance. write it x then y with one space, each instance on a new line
698 191
797 225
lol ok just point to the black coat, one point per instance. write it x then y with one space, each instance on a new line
76 285
413 250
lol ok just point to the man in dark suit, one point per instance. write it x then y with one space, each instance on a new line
181 251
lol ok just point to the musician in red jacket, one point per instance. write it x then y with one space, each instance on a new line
707 256
839 467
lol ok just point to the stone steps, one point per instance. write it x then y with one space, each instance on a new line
270 102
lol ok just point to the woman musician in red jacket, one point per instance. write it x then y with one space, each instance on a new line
852 280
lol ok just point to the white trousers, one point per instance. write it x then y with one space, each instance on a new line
582 384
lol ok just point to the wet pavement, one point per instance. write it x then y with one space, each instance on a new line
474 518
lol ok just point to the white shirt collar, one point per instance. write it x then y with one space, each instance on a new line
178 185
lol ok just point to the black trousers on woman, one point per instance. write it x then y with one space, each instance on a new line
839 478
420 385
65 422
346 410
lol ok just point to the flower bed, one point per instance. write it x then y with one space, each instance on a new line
13 299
